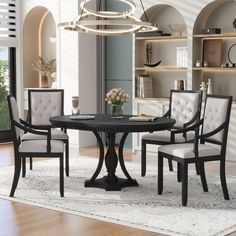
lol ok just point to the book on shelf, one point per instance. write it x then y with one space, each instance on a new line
181 56
212 52
144 86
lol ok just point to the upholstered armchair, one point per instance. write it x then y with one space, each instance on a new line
46 148
214 130
185 108
44 103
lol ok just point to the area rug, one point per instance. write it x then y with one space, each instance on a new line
139 207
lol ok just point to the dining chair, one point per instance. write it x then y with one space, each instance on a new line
43 148
44 103
210 145
185 108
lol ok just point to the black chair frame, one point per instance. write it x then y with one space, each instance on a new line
144 142
182 164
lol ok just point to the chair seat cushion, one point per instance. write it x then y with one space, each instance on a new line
185 150
40 146
55 133
164 136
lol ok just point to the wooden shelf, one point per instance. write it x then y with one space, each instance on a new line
163 68
162 38
216 36
223 69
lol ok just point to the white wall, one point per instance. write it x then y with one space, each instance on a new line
69 70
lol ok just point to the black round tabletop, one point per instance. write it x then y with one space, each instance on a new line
106 123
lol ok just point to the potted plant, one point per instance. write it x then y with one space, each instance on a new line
47 68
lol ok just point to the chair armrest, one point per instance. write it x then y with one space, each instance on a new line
33 131
167 114
34 126
184 130
195 117
215 131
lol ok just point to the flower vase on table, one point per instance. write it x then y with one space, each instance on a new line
116 109
117 97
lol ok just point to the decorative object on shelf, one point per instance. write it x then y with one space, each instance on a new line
181 56
46 67
179 84
96 21
148 53
209 86
198 63
205 64
75 105
153 64
178 29
154 33
211 31
229 54
203 88
212 52
117 97
54 81
234 23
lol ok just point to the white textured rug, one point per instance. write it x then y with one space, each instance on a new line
139 207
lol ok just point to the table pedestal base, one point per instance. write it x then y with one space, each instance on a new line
103 183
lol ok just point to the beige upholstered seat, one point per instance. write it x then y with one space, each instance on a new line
209 146
32 148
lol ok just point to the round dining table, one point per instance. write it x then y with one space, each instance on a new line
105 123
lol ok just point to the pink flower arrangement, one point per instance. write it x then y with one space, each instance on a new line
117 96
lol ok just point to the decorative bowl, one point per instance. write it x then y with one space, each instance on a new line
177 28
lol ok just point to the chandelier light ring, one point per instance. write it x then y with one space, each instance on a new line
109 14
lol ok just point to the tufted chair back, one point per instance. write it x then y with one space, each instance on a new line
14 116
44 103
184 105
217 111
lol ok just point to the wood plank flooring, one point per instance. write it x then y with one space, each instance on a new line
18 219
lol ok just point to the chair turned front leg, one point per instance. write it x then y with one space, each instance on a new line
223 180
143 159
31 163
160 174
184 184
16 176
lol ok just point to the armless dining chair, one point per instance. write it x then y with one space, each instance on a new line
44 103
185 108
46 148
209 146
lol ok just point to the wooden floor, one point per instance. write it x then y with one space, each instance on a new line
18 219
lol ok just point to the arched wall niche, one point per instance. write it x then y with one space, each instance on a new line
163 15
39 33
218 14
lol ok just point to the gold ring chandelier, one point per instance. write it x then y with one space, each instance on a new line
108 23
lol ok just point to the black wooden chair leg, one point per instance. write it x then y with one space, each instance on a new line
197 168
160 174
31 163
203 176
16 176
184 184
23 166
143 159
179 172
67 157
61 170
170 165
223 180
